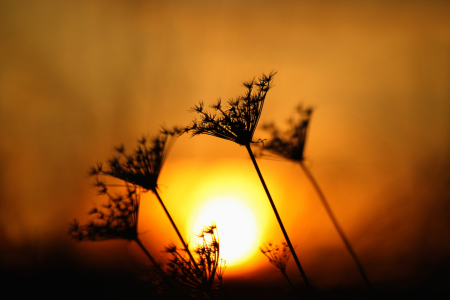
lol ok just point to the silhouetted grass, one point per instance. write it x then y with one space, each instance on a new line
237 123
290 145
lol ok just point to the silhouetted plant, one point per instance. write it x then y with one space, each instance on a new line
290 144
278 258
142 168
221 267
237 123
115 220
183 278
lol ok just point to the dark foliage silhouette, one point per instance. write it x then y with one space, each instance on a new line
181 279
118 219
237 123
142 168
278 257
290 144
172 279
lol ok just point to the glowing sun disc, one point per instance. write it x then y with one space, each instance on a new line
236 225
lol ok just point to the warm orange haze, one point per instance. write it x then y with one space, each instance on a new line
78 78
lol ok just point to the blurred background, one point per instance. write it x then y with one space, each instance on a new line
80 77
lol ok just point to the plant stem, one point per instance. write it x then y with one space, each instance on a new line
299 266
146 252
223 289
288 280
337 226
177 231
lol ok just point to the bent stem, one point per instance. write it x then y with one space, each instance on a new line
288 280
223 289
337 226
138 241
177 231
299 266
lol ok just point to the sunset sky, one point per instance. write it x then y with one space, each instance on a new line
80 77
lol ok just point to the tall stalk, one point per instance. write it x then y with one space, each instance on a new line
138 241
142 168
336 225
176 230
237 123
290 145
291 248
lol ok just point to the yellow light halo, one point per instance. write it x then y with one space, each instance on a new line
237 228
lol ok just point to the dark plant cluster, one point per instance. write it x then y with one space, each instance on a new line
191 273
115 220
237 122
143 166
183 275
289 144
277 257
177 278
199 283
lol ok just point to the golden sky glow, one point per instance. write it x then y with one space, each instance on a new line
239 232
80 77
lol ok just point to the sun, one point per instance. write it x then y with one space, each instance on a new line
236 225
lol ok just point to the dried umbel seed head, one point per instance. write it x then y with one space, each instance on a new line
289 144
238 121
181 272
116 220
143 166
277 256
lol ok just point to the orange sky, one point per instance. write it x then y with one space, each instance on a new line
79 77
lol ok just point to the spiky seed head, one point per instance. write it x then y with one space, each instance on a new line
289 144
238 122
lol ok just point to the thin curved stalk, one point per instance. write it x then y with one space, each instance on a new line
177 231
297 261
223 289
288 280
337 226
146 252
